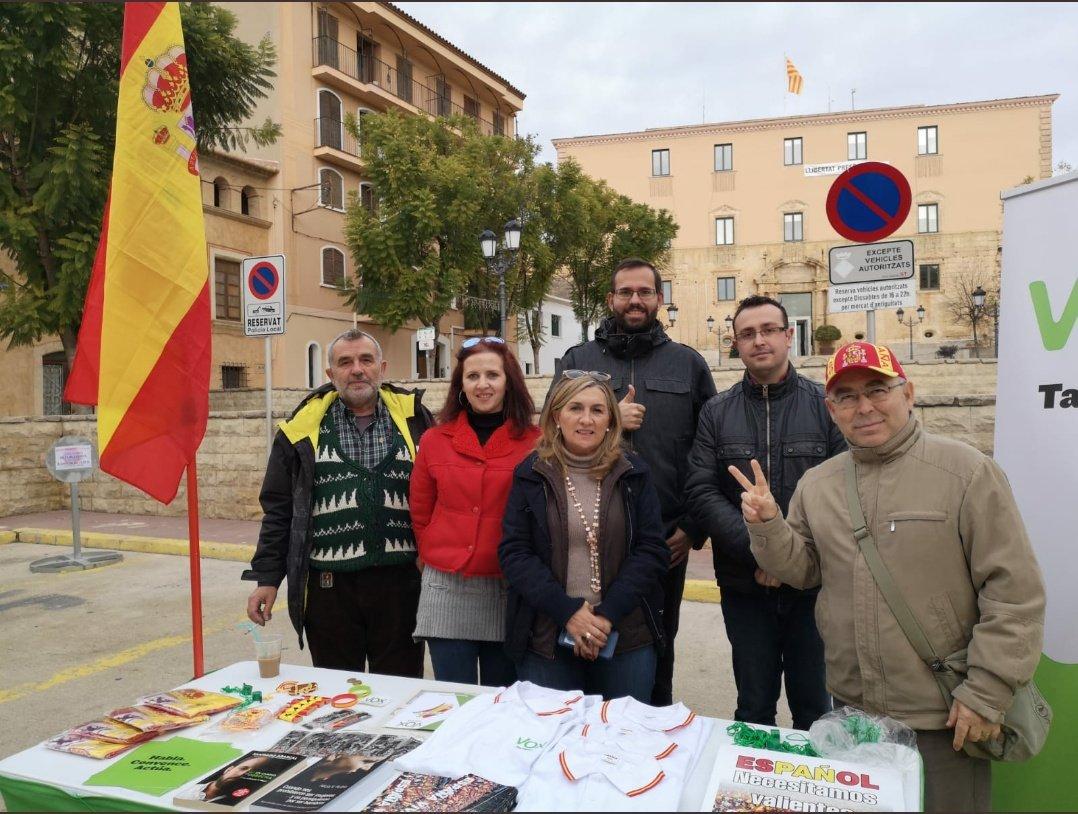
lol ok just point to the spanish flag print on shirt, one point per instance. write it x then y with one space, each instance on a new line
143 355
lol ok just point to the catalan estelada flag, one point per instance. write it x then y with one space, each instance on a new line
143 354
794 80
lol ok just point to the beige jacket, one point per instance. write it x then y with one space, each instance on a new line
947 526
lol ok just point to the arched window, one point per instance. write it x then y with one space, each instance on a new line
366 197
314 365
331 193
332 267
220 192
330 129
249 202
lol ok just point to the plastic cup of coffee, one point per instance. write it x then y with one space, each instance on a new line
268 653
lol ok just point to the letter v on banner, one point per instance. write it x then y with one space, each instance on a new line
143 354
1054 334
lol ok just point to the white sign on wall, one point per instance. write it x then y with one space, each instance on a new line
1037 400
834 168
425 338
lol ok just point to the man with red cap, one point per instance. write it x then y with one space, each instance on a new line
941 524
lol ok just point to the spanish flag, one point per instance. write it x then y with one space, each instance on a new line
143 354
794 80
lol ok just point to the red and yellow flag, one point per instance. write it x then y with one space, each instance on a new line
143 355
794 80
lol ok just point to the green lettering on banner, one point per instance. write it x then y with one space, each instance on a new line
1054 334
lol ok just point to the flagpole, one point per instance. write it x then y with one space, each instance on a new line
196 567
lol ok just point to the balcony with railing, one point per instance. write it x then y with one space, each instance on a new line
379 80
335 144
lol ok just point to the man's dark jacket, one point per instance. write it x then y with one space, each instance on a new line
525 556
734 428
284 541
673 382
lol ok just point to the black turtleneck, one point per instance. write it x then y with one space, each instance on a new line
485 424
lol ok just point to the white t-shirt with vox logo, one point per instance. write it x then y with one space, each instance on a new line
500 736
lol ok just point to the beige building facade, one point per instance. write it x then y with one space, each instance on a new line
750 201
334 59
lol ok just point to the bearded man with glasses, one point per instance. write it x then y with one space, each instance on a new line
924 563
662 386
777 416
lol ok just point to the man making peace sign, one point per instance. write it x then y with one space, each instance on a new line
947 528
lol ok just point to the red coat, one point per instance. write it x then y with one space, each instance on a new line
458 494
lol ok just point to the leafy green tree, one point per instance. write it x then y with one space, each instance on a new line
611 227
438 184
59 75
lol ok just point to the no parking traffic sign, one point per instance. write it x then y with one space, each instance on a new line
263 295
868 202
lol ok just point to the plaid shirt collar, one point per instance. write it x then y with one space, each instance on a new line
369 447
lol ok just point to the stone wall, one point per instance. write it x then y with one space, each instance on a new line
231 460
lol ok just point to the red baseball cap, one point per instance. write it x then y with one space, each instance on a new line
862 355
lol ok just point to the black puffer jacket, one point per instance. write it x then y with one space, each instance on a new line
673 382
284 540
787 428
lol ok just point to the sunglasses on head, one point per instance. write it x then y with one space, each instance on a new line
598 375
475 340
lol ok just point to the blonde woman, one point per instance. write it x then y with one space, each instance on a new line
583 551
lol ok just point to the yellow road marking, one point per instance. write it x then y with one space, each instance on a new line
235 552
107 663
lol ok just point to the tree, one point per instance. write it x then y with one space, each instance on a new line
959 305
59 70
611 228
438 182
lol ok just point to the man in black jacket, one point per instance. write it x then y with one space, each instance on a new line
336 523
663 385
778 417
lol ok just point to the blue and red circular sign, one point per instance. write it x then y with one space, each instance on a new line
868 202
263 280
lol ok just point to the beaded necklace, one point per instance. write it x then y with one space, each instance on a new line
591 530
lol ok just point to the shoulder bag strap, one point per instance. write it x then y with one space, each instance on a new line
902 613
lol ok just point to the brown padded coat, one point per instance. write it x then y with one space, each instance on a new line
948 528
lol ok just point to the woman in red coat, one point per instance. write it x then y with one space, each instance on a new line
460 484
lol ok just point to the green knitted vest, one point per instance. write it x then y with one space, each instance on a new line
359 517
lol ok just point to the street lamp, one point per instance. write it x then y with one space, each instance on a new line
992 311
730 330
671 313
498 262
978 308
909 323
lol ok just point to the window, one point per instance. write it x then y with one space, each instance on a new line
233 377
314 365
928 218
724 231
857 146
327 39
930 277
724 157
249 202
444 96
220 193
471 107
928 140
793 227
668 292
332 267
726 288
365 58
499 124
226 277
404 78
527 368
660 162
791 151
53 380
330 128
331 190
555 325
367 199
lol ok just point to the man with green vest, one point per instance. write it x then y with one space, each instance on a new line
336 522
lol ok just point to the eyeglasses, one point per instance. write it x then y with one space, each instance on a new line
877 394
626 294
475 340
598 375
748 335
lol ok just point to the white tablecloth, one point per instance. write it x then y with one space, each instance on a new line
69 772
